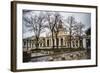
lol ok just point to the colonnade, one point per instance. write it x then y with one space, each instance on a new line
47 43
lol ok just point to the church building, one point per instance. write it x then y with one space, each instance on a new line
63 41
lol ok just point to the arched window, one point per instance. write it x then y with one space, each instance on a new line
43 42
73 44
48 42
40 44
57 41
81 43
61 42
76 43
68 44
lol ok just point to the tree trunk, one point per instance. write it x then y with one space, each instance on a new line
56 41
52 41
70 37
37 44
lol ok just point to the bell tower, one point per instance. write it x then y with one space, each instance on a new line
60 27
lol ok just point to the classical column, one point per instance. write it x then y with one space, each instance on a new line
29 44
55 41
49 42
42 44
33 45
59 41
78 43
63 41
46 42
74 43
71 44
84 43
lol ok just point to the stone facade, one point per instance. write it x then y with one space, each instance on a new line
63 41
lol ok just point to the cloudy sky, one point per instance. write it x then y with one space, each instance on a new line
84 18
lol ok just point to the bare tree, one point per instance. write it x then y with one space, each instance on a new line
51 25
80 27
58 22
75 29
35 24
78 31
54 21
70 21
